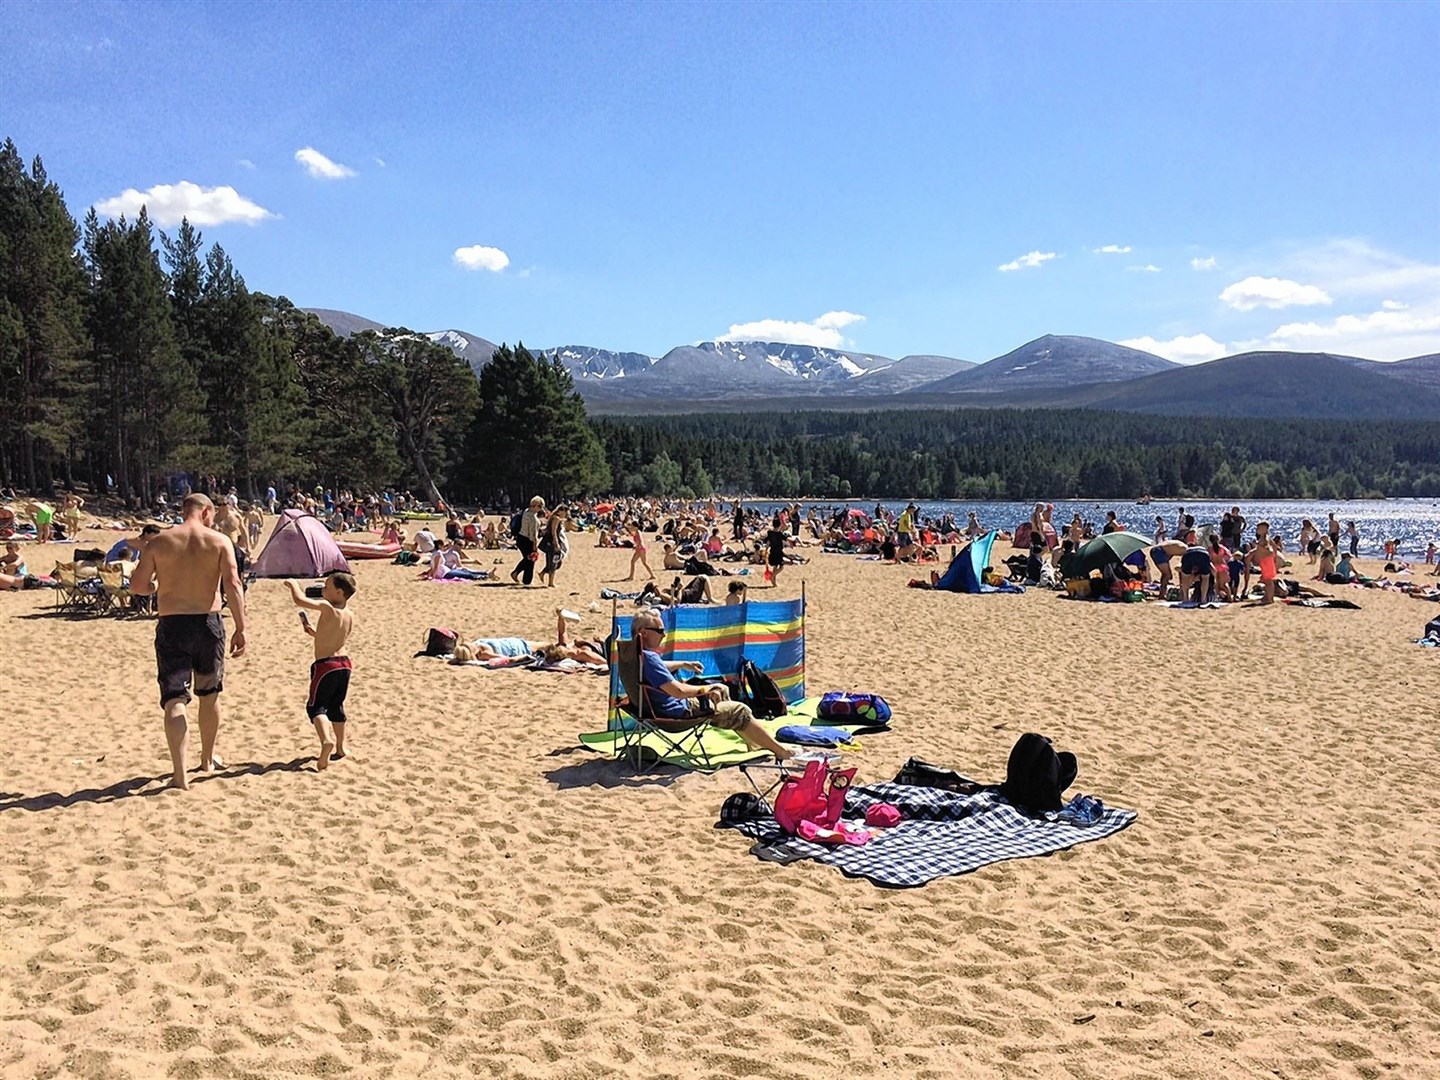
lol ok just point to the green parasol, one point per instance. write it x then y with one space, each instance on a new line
1110 548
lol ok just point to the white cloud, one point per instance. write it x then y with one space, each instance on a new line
1388 334
1148 268
478 257
380 161
1192 349
1207 263
321 167
1352 267
823 333
1271 292
1394 305
168 203
246 163
1035 258
1112 249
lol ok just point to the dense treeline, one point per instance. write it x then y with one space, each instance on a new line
127 357
1019 454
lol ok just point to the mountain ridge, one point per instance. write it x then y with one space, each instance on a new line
1052 371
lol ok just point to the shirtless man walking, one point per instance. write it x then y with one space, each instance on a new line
188 566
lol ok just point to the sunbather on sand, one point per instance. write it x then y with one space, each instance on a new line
586 652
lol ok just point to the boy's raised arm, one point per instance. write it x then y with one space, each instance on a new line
301 600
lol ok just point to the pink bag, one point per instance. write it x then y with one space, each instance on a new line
816 796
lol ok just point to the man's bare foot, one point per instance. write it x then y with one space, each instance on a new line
214 765
178 783
327 750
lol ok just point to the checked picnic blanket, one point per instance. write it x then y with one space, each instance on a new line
943 833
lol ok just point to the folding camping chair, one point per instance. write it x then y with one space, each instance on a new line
633 717
74 594
115 591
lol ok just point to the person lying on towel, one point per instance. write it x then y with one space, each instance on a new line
668 699
510 648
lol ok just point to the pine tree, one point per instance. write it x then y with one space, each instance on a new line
349 439
150 418
42 332
428 393
531 435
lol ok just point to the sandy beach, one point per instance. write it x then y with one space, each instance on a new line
473 894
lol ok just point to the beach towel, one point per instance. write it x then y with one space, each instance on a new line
814 735
723 747
1324 602
942 833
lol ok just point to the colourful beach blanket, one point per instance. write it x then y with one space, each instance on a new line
942 833
724 747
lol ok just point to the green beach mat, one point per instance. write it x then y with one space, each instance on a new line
724 747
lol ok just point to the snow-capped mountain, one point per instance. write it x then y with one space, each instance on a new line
471 348
588 362
1053 371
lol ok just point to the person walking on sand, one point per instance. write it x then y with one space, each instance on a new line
526 539
188 566
555 545
775 552
330 673
638 556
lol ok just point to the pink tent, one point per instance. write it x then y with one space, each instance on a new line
299 546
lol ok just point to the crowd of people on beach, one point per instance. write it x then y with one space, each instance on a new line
195 566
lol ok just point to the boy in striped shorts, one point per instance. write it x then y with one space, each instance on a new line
330 673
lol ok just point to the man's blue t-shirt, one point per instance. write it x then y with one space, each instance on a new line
654 674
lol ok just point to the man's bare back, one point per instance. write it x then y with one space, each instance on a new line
190 563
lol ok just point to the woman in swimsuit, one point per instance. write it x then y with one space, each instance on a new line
639 554
1265 556
1220 564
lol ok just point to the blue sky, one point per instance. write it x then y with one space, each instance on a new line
896 178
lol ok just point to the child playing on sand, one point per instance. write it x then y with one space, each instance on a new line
330 673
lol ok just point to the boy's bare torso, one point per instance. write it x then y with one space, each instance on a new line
332 631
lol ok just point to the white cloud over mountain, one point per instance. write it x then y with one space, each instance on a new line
1192 349
321 167
1112 249
1269 292
479 257
167 204
1388 334
1034 259
823 332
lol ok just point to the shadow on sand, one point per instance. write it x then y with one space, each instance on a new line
140 786
605 772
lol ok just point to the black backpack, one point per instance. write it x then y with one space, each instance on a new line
1036 775
515 522
759 691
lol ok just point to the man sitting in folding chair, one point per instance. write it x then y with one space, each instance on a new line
676 706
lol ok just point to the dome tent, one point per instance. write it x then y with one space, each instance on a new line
299 546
